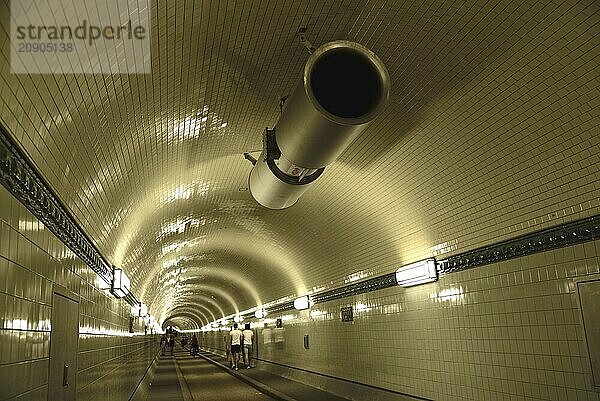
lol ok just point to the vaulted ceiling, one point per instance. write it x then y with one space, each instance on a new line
491 103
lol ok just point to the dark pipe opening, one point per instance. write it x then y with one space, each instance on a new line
346 83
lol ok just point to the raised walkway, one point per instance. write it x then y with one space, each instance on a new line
207 377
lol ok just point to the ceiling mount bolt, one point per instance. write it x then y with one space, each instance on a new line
304 41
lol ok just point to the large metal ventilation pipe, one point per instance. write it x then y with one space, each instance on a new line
344 87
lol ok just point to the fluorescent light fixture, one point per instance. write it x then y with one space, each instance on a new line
417 273
301 303
260 313
120 287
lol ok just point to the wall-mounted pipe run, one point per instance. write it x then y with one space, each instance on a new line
344 87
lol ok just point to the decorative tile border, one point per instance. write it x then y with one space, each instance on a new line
373 284
18 176
277 308
568 234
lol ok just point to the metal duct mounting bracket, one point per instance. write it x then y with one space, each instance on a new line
343 88
294 175
304 41
270 148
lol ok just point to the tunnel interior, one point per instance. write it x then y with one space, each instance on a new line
483 164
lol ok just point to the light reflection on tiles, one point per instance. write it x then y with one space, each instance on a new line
25 316
492 321
513 124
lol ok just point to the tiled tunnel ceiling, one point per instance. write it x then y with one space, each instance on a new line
491 103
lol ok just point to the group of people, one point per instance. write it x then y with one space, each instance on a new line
194 349
240 341
167 341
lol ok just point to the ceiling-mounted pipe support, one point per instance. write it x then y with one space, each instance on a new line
304 41
344 87
250 158
276 183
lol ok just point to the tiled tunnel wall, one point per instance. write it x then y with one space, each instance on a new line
506 331
467 164
110 361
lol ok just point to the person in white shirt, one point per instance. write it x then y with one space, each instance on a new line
247 351
235 339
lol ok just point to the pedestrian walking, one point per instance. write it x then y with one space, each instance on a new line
163 344
194 346
171 343
235 339
248 336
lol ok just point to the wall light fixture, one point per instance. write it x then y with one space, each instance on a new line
421 272
302 302
120 284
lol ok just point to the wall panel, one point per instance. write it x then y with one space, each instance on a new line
110 360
